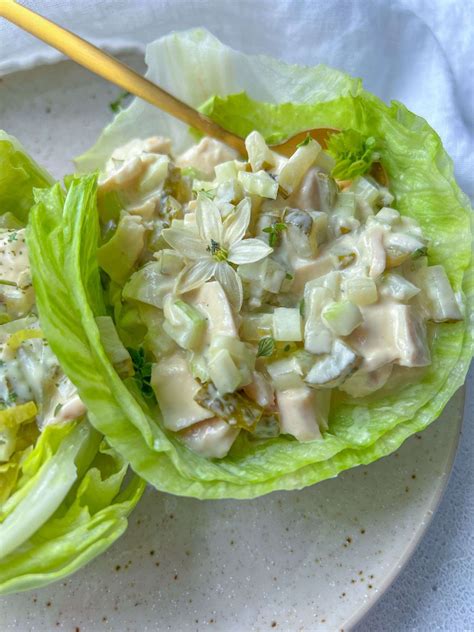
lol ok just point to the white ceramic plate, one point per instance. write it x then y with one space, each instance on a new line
311 560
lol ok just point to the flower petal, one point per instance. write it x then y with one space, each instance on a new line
195 275
185 242
208 219
231 283
248 251
236 224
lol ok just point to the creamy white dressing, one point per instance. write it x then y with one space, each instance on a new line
29 370
337 298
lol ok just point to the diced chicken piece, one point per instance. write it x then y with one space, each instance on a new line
299 413
211 300
206 155
72 409
316 192
211 439
175 388
331 369
362 383
124 175
260 390
137 146
391 332
305 270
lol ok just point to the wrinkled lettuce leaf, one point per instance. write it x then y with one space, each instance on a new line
421 177
63 494
19 174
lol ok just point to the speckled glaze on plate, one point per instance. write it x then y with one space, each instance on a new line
314 560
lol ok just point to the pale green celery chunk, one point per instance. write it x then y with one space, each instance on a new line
317 337
170 262
149 285
256 326
388 216
155 174
342 317
223 372
361 290
228 170
242 355
259 154
331 369
260 183
397 287
287 325
184 323
119 255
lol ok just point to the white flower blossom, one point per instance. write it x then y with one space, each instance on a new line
217 245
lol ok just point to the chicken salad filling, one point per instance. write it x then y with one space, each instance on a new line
248 292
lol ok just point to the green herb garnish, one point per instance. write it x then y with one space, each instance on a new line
304 142
274 232
353 153
117 105
142 370
420 252
266 347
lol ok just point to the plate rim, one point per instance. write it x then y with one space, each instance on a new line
359 615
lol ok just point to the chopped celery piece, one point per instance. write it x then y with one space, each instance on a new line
207 187
155 174
156 340
184 323
345 204
223 372
295 169
361 290
259 183
149 285
198 367
287 324
242 355
260 155
119 255
388 216
331 369
228 170
397 287
342 317
288 372
256 326
267 273
437 295
171 262
365 191
317 337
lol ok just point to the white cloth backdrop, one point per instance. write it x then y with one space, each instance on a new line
420 52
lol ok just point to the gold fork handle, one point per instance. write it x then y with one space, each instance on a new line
106 66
